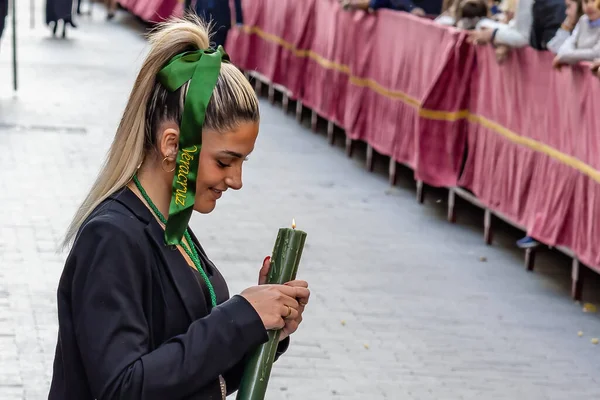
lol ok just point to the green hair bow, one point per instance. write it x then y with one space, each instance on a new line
201 68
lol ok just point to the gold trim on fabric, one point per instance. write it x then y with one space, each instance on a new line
435 115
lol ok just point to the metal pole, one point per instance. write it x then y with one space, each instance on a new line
14 43
32 13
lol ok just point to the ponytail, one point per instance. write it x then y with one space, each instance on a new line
131 140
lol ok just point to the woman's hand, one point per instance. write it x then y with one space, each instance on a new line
264 271
291 323
277 304
556 64
568 23
595 68
419 12
502 53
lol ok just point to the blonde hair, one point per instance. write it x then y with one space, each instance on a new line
233 102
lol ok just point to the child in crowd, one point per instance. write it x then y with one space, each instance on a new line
584 43
465 14
470 13
574 11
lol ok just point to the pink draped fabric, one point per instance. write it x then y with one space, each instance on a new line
557 202
442 127
153 10
332 60
419 93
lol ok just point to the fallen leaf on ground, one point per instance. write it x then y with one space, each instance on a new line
589 307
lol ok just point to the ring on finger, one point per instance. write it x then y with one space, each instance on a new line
288 313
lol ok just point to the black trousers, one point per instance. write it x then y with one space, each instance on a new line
3 14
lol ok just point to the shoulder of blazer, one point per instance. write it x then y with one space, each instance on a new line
123 213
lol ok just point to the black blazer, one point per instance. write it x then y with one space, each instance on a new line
135 322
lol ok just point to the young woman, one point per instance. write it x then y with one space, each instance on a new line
142 311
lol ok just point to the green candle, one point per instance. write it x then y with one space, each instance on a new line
284 266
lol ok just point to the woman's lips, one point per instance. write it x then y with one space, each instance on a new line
217 193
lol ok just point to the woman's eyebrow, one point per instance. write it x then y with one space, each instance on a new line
231 153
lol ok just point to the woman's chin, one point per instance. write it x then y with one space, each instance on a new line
205 207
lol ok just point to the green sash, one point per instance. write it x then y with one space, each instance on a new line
201 68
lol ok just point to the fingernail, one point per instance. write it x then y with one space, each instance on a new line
267 258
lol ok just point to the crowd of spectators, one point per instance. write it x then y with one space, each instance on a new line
570 29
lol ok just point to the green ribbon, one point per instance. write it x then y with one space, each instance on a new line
201 68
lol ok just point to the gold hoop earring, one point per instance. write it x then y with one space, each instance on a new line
163 165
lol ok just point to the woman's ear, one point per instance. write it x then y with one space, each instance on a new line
169 142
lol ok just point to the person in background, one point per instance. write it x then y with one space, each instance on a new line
513 34
448 16
494 9
534 23
430 7
3 14
111 9
59 10
574 12
470 13
218 13
527 243
372 5
584 43
506 11
505 15
465 14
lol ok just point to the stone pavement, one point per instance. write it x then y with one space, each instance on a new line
402 306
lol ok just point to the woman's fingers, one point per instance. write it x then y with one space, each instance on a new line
264 271
304 300
297 283
289 313
298 293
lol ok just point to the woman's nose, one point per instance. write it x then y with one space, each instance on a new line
234 181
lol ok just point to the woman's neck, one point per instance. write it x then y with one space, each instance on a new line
157 189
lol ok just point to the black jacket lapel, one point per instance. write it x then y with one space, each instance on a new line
176 267
180 273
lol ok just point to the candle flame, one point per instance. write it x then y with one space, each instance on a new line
293 223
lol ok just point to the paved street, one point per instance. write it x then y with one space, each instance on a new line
403 307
